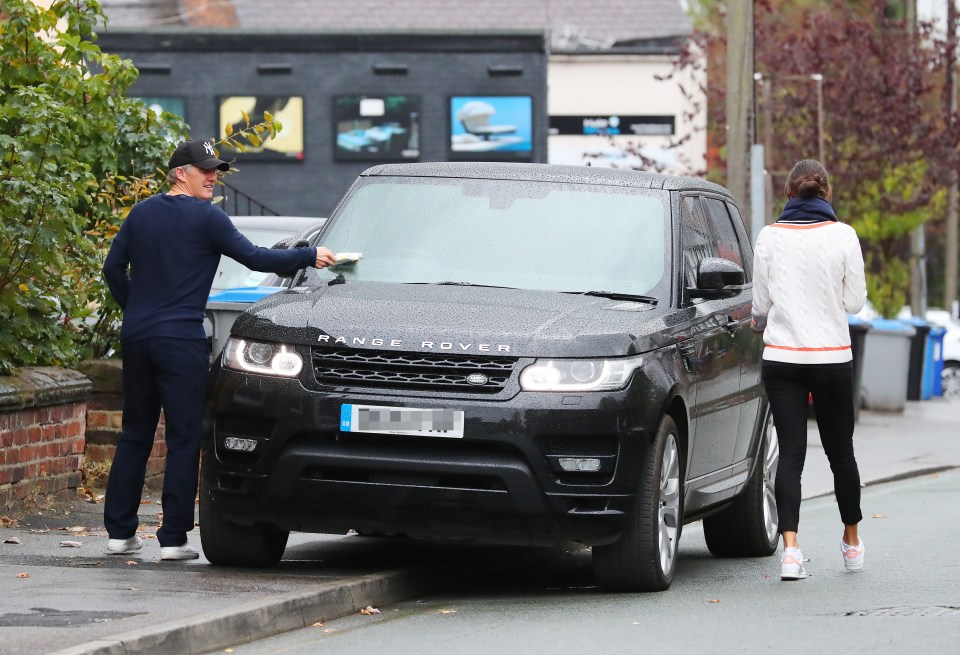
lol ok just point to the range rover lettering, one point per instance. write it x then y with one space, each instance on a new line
514 354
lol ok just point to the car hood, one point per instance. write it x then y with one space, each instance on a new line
454 319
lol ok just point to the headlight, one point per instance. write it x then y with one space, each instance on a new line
579 374
263 358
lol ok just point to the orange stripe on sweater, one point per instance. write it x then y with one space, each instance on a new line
810 349
801 227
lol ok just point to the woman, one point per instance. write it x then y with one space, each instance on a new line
808 275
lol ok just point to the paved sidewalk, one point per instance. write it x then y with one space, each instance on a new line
925 437
79 600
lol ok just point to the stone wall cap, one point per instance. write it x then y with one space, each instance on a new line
42 386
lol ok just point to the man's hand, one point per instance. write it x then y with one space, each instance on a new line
324 258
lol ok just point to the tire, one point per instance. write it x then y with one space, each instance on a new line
231 544
950 379
750 527
645 556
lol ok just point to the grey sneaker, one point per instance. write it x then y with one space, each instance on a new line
121 546
852 555
791 565
186 551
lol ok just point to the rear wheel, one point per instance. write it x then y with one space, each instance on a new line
230 544
749 527
645 556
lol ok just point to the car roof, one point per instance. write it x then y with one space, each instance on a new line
293 224
547 173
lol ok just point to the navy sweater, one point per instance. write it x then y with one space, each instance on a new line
162 261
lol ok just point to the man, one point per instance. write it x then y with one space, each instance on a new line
160 268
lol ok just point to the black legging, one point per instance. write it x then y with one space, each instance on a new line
788 388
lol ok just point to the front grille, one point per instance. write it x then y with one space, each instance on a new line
426 371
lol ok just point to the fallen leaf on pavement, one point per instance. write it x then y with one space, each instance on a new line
319 624
145 502
134 589
327 631
369 610
70 544
7 522
39 530
227 650
12 540
131 562
879 516
446 611
23 575
713 600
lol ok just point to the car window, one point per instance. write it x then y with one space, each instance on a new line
728 243
231 273
697 238
511 233
745 245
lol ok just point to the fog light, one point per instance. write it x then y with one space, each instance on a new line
243 445
580 464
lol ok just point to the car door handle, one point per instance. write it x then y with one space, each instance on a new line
732 325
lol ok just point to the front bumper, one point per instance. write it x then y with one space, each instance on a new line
501 483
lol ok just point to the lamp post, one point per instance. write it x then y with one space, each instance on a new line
818 78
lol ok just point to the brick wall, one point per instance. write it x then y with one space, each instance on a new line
104 416
42 423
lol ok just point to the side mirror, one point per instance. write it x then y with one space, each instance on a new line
717 278
287 244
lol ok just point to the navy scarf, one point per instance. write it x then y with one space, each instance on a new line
807 210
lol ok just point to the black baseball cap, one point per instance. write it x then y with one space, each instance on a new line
198 152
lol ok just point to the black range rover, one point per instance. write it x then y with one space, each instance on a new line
523 354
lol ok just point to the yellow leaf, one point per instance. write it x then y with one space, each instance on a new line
228 130
715 600
267 116
246 117
24 288
254 139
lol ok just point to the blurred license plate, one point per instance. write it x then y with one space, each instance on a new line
402 420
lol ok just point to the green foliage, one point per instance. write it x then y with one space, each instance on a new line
883 232
75 155
69 141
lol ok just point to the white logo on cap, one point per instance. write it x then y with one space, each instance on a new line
209 149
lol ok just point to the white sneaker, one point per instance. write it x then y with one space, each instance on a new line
791 565
121 546
186 551
852 555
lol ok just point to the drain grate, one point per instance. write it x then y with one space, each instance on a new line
936 610
45 617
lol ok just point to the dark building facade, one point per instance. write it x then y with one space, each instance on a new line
347 101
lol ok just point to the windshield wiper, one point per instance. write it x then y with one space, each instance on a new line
462 284
616 295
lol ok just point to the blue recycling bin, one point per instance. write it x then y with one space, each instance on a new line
933 371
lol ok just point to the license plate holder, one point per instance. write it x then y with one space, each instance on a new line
411 421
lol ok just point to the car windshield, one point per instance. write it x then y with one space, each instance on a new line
231 273
504 233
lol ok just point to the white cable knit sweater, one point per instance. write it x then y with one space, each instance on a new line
806 278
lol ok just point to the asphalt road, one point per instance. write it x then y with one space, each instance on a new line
906 600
